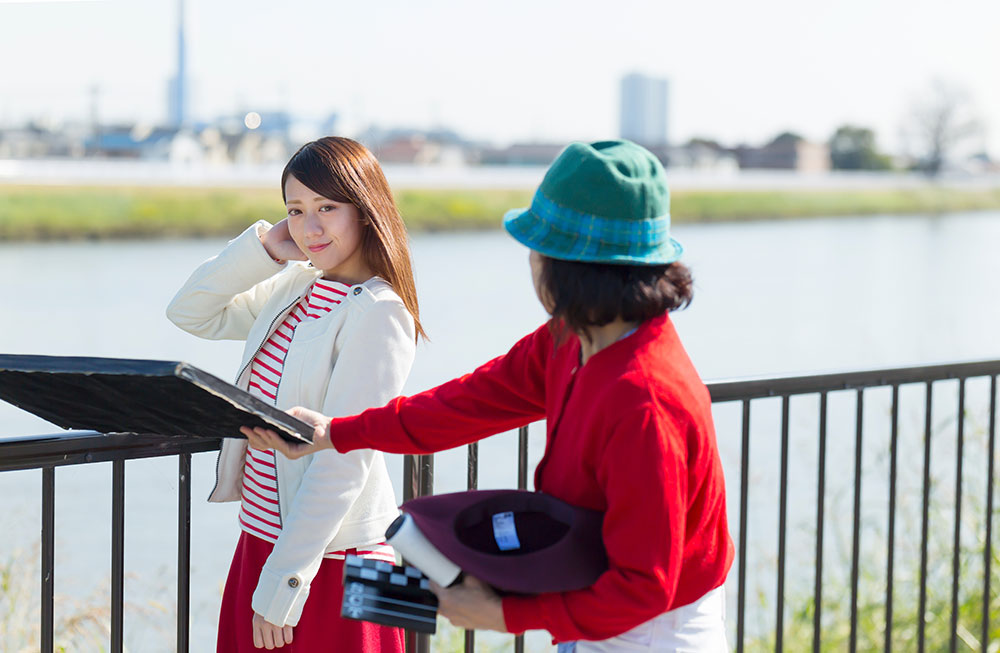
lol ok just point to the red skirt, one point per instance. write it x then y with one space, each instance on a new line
320 628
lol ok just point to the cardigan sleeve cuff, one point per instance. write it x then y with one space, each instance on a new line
258 229
279 598
521 613
345 438
248 263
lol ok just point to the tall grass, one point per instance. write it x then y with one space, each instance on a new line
79 623
77 212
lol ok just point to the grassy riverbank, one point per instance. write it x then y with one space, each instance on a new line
49 213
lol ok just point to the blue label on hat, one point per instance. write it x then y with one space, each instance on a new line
504 531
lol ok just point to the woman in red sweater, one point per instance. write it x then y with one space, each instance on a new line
629 423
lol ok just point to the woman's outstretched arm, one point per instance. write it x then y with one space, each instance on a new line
505 393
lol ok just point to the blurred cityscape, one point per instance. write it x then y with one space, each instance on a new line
243 138
271 137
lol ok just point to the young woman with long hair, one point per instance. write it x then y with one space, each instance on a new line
326 303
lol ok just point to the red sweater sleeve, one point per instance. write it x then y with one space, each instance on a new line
505 393
644 477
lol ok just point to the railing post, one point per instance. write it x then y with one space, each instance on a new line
410 481
957 551
856 526
472 483
183 552
522 458
925 520
820 508
426 475
418 481
522 484
48 558
741 585
779 629
891 544
988 550
117 555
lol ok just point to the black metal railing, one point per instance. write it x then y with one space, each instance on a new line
747 391
48 452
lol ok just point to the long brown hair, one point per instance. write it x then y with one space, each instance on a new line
344 170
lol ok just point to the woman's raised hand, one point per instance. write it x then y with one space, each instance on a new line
261 438
279 244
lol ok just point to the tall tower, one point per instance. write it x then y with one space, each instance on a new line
644 110
177 88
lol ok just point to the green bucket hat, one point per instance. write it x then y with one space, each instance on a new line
605 202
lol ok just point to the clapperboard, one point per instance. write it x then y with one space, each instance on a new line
387 594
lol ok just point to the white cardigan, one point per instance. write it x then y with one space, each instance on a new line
356 357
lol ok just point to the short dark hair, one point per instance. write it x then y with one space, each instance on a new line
593 294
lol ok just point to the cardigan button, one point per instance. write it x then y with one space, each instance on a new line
357 290
293 582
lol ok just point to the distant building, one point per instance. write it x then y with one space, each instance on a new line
30 141
786 152
329 125
405 150
177 87
644 110
127 141
522 154
256 147
701 154
274 123
406 145
229 142
418 149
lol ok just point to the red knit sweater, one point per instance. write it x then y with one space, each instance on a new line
630 433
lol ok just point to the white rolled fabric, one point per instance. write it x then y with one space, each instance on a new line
419 552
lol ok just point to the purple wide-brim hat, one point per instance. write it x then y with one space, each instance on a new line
558 546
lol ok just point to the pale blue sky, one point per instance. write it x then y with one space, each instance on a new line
517 69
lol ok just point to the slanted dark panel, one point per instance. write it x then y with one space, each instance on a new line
114 395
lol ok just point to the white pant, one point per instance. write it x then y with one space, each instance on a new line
698 627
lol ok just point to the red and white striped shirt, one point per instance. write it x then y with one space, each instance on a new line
259 515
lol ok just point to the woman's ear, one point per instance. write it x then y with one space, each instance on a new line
537 262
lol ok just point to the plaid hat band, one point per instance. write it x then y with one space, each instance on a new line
611 231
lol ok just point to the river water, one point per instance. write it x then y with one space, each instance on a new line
771 298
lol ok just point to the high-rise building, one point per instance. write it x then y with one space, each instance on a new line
644 110
177 87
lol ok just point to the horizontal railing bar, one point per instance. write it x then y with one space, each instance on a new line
753 388
81 447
